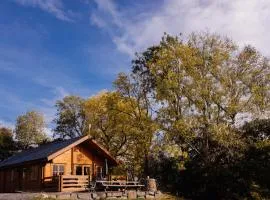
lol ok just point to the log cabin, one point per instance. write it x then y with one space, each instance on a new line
66 165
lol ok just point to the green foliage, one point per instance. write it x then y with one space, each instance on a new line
7 145
176 117
30 129
244 176
257 130
201 86
70 117
120 126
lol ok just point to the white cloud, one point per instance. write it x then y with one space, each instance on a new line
6 124
59 93
48 132
54 7
109 7
98 21
247 22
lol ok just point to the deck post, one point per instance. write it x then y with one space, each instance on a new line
60 183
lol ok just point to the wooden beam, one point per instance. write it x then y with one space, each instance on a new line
72 161
60 183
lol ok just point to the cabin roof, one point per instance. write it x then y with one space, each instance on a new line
50 150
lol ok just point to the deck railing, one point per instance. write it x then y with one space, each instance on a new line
66 183
73 183
51 183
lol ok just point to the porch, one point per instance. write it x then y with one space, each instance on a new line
78 183
66 183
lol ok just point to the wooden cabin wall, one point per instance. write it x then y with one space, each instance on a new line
2 181
32 178
64 159
24 178
79 155
9 180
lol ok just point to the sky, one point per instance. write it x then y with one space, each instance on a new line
53 48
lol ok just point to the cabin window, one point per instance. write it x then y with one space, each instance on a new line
86 171
79 170
58 170
83 170
34 173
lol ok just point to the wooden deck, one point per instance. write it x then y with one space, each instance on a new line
76 183
66 183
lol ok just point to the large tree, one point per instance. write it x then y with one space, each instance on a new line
202 85
30 129
123 128
70 118
138 89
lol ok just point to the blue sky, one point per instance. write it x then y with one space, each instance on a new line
53 48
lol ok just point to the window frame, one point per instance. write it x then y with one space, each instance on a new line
83 166
58 172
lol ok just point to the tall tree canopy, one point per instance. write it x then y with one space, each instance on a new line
124 129
202 85
30 129
70 117
200 88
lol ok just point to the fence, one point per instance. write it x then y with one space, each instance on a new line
66 183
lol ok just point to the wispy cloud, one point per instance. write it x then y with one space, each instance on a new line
247 22
54 7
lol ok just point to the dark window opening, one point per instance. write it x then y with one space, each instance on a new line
86 170
99 172
78 170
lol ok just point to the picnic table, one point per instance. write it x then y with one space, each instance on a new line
119 184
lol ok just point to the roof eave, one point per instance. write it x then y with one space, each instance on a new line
23 163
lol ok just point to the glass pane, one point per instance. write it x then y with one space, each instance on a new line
78 170
86 171
61 169
55 170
